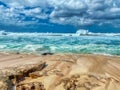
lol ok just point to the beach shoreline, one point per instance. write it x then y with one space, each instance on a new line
60 71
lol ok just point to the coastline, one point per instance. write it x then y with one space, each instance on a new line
60 71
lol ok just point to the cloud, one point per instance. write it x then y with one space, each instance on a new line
86 12
73 12
22 13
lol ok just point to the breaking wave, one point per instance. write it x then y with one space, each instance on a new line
78 33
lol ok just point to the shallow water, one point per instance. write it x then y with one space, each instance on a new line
39 43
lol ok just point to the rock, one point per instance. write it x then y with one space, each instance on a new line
3 86
31 86
47 53
16 75
36 74
25 72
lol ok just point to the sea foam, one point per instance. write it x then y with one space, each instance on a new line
38 43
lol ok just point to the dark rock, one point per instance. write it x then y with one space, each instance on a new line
47 53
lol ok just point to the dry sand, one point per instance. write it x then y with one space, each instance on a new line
61 72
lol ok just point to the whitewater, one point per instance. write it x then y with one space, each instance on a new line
82 43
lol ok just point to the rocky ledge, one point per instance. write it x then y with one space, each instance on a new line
64 72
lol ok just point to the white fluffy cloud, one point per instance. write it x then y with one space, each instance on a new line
74 12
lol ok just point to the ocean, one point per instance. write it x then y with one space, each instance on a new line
38 43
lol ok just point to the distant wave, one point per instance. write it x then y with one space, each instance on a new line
78 33
86 32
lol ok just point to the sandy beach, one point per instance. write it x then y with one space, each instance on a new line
59 72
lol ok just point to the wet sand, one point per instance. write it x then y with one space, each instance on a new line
61 72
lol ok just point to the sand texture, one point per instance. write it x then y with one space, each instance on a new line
59 72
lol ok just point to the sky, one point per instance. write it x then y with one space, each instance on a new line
60 15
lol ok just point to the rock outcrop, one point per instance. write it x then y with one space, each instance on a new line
64 72
10 77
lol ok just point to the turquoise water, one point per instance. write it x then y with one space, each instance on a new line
39 43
